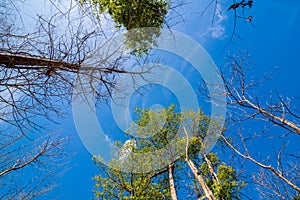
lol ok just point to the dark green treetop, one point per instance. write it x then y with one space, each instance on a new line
135 15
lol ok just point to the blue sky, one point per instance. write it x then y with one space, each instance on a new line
272 41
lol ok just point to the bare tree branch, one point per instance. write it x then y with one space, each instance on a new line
260 164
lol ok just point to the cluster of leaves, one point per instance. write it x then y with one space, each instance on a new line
113 184
160 127
133 13
227 186
136 16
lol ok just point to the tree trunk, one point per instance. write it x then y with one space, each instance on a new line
172 182
11 60
208 193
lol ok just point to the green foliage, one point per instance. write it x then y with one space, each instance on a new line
135 14
112 184
155 130
228 186
160 126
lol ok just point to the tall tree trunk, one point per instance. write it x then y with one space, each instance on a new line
36 63
172 182
10 60
208 193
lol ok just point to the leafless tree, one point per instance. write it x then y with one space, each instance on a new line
28 168
38 69
255 119
37 73
241 90
272 187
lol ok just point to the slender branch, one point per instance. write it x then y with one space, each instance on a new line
280 119
22 165
211 169
268 167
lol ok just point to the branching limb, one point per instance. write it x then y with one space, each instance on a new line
260 164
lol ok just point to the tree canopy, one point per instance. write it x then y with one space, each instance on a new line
161 126
135 16
133 13
42 54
